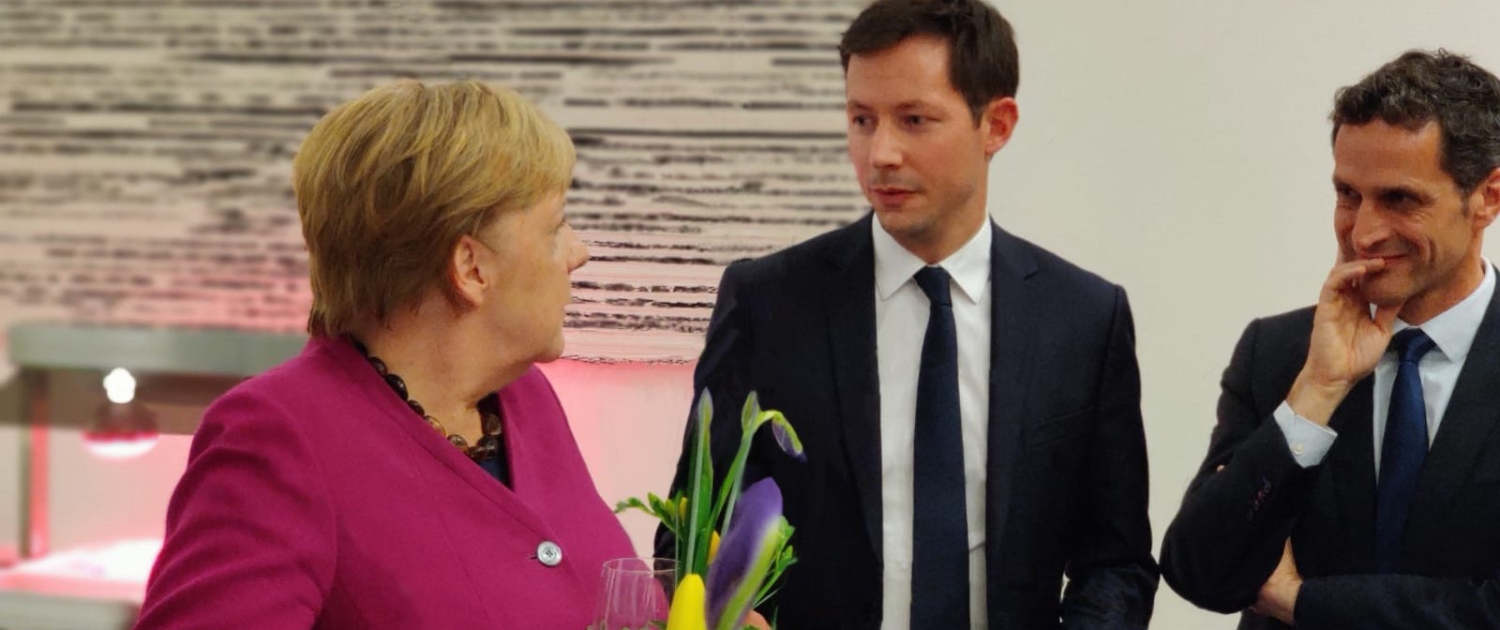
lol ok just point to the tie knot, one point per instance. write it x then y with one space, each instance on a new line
934 282
1411 344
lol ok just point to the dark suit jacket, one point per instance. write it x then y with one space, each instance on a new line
1066 489
1228 535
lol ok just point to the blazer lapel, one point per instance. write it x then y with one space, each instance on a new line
849 293
1013 332
1467 423
1352 465
385 402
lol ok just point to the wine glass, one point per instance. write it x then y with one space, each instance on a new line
635 594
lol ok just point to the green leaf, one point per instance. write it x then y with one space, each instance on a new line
750 412
666 512
655 506
660 508
751 418
783 557
699 526
633 502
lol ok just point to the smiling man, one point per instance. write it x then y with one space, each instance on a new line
969 403
1353 480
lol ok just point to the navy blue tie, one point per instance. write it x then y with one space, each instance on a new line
940 531
1403 449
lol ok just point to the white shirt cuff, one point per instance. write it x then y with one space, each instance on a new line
1308 440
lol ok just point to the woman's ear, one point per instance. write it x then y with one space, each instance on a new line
469 278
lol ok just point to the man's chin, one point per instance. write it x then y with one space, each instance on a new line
900 222
1384 294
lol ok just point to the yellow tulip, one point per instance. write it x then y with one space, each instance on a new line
687 605
713 546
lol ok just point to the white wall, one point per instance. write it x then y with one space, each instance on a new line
1181 149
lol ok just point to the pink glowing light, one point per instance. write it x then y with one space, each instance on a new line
123 428
104 584
126 561
119 447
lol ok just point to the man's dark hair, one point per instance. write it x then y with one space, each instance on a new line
982 60
1420 87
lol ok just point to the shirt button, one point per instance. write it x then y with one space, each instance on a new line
548 553
1298 448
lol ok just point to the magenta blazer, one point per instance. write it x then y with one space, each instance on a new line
314 498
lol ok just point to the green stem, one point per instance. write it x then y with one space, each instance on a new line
729 493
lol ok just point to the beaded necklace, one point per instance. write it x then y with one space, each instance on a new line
489 444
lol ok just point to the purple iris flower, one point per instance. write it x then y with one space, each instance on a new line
746 553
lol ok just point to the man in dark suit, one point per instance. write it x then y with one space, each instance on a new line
1353 480
969 403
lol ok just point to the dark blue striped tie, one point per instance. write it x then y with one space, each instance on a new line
940 532
1403 449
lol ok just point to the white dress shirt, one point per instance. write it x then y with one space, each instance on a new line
1452 330
901 310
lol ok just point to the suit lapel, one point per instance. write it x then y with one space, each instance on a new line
1013 333
1465 429
849 293
1352 464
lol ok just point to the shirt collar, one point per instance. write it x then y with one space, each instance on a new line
1453 330
969 266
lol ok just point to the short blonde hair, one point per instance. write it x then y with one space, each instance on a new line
388 183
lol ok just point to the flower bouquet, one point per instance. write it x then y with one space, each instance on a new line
719 583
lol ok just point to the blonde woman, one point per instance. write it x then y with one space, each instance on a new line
411 468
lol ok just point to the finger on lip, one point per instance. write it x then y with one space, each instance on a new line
1366 264
1358 267
1349 274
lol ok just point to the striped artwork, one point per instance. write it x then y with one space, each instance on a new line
145 146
